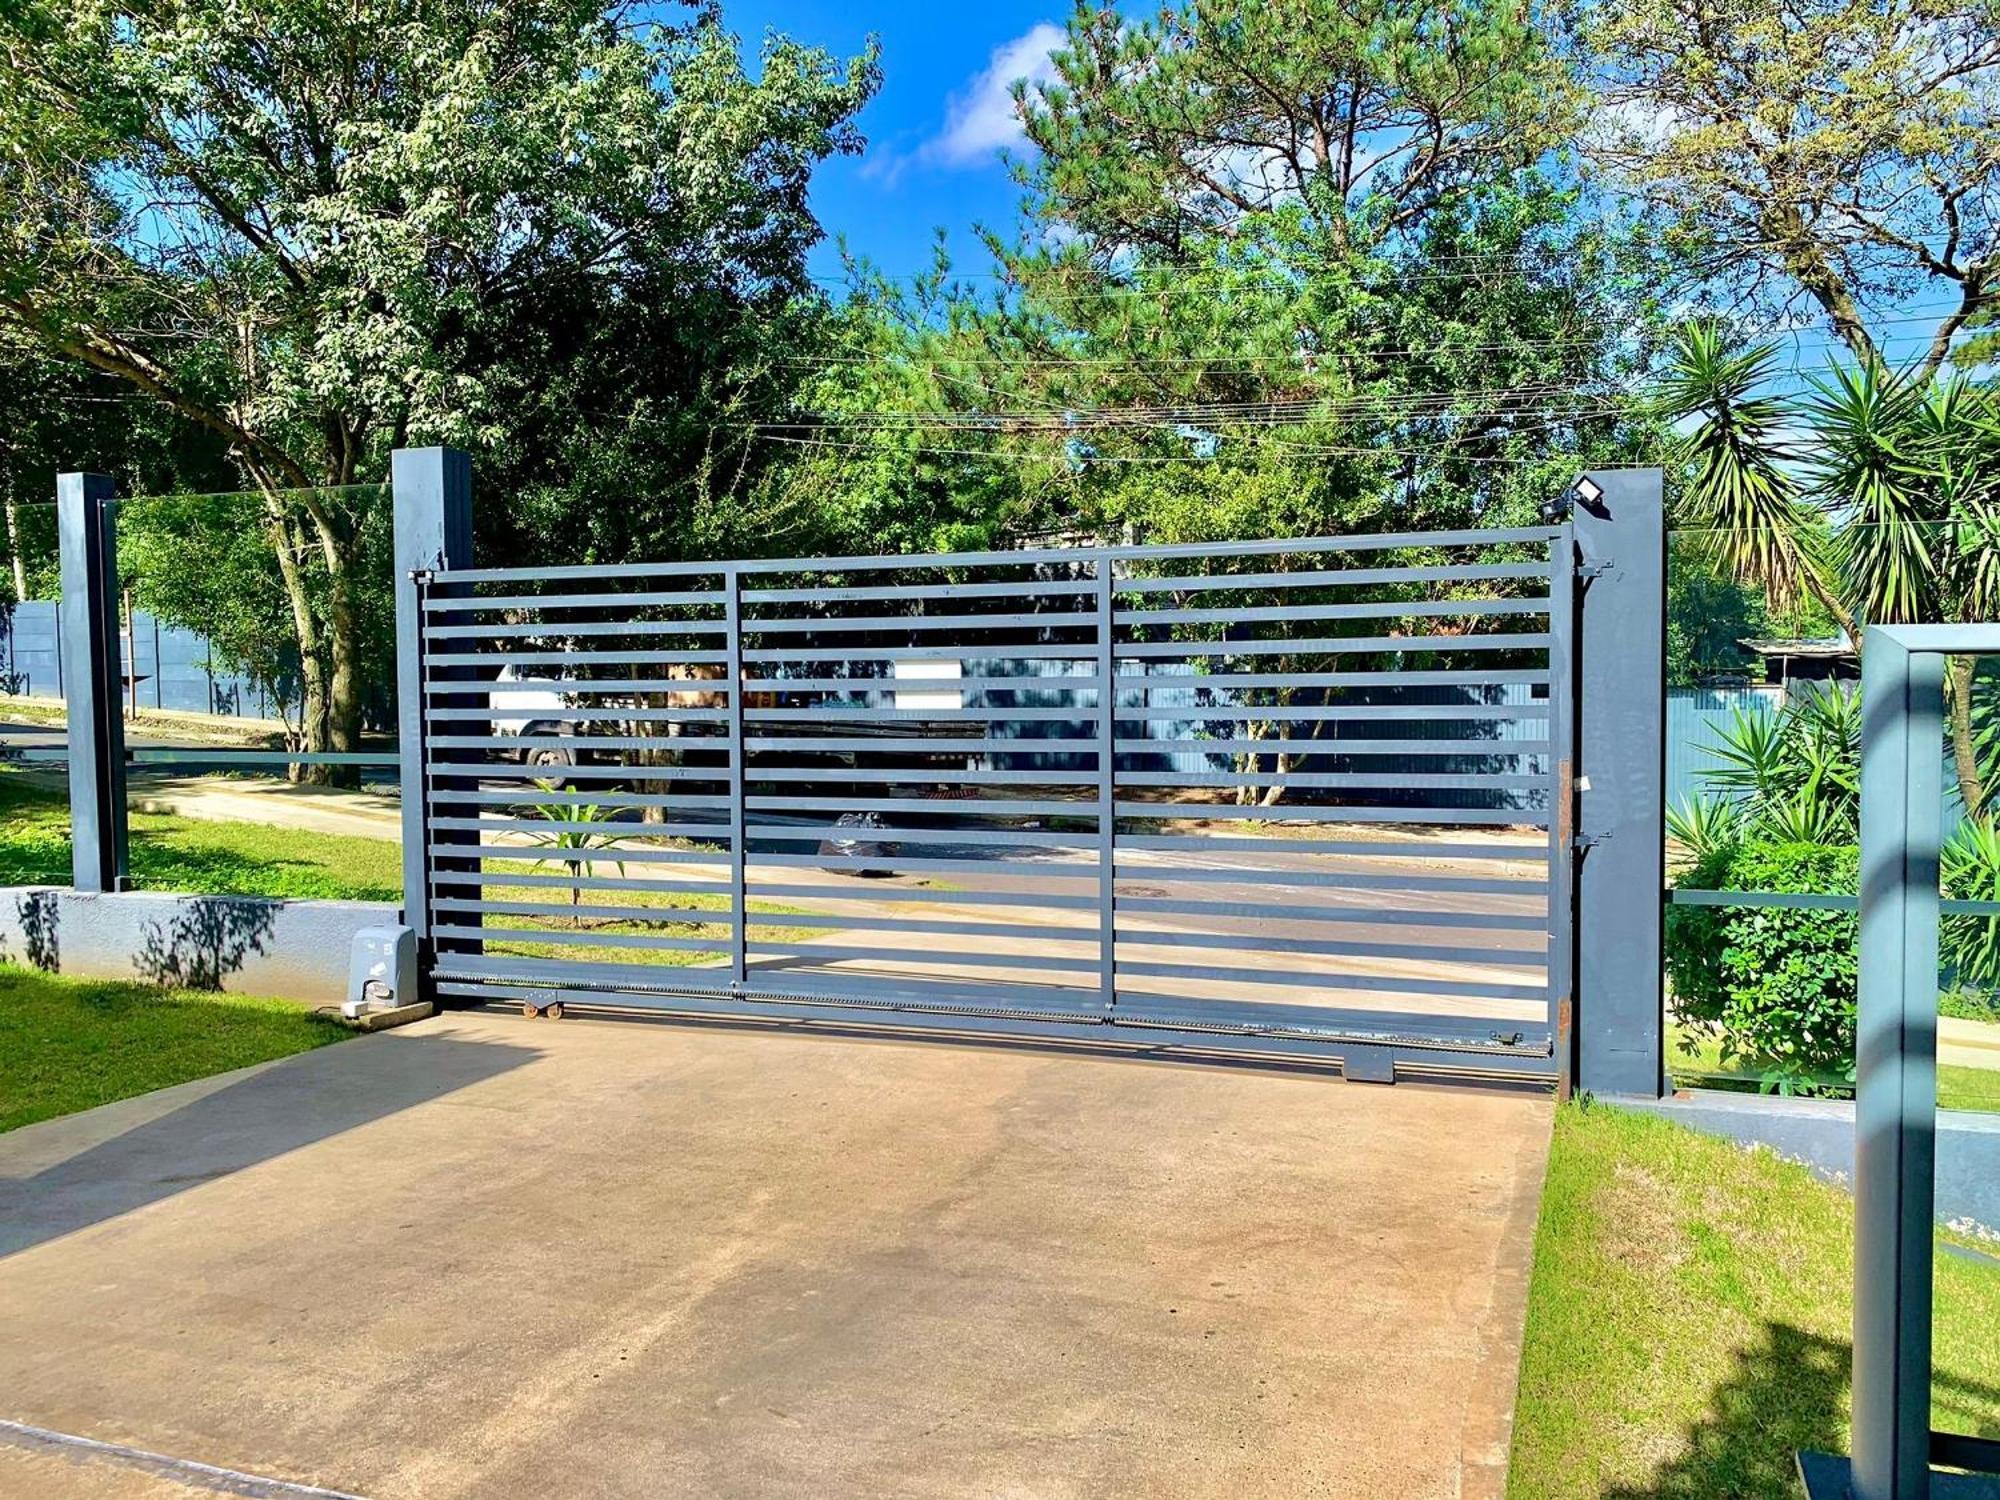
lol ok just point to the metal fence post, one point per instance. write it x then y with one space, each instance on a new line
1902 707
1620 654
91 681
1562 806
1107 777
739 902
433 530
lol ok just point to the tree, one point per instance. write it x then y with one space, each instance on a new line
1885 510
1844 151
1283 268
320 232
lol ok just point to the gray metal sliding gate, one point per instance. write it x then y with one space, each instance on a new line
1294 796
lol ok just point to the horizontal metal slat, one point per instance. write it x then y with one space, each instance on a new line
1326 979
595 829
1345 748
838 774
574 630
1251 945
1479 781
987 807
493 770
906 953
1050 900
1331 577
721 916
834 717
830 624
890 834
548 855
885 745
1019 931
1379 1028
1285 844
583 715
1334 646
1389 916
528 880
564 936
1038 651
567 658
898 863
1364 880
1030 589
479 603
1276 713
1374 609
1220 682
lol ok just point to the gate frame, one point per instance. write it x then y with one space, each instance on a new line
1606 981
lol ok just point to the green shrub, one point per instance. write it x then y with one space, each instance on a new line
1775 987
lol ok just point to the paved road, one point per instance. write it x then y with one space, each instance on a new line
483 1256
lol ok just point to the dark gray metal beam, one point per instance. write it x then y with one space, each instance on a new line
1620 654
92 678
433 532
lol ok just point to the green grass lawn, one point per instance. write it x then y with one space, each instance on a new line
186 854
1688 1326
1702 1067
70 1044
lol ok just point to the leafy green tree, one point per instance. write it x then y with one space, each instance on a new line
1843 151
319 232
1877 494
1283 268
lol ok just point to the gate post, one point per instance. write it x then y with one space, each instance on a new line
91 675
433 526
1620 704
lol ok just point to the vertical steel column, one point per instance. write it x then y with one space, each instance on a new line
433 532
91 671
1902 698
1620 708
1562 806
739 904
1107 776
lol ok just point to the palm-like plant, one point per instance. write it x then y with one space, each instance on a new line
1887 510
579 826
1792 777
1742 502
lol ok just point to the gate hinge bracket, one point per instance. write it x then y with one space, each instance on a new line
420 576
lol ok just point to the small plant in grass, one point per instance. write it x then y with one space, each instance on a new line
579 827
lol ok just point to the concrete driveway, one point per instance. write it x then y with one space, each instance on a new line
484 1256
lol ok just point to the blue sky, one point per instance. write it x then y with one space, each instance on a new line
934 132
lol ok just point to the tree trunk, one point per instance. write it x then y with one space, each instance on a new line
286 545
1964 754
343 633
14 547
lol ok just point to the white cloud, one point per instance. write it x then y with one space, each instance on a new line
981 118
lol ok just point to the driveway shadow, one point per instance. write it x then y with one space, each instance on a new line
311 1097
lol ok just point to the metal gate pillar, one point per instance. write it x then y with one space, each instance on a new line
433 522
1620 654
92 675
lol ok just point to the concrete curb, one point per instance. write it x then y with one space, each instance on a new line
1820 1134
247 944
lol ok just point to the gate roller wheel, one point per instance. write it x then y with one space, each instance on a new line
528 1010
554 1010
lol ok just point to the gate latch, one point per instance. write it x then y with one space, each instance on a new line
1583 843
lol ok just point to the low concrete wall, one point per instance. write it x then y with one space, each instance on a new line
296 950
1820 1133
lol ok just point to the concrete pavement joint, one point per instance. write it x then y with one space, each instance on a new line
187 1470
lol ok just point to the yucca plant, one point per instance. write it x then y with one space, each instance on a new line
1877 495
579 826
